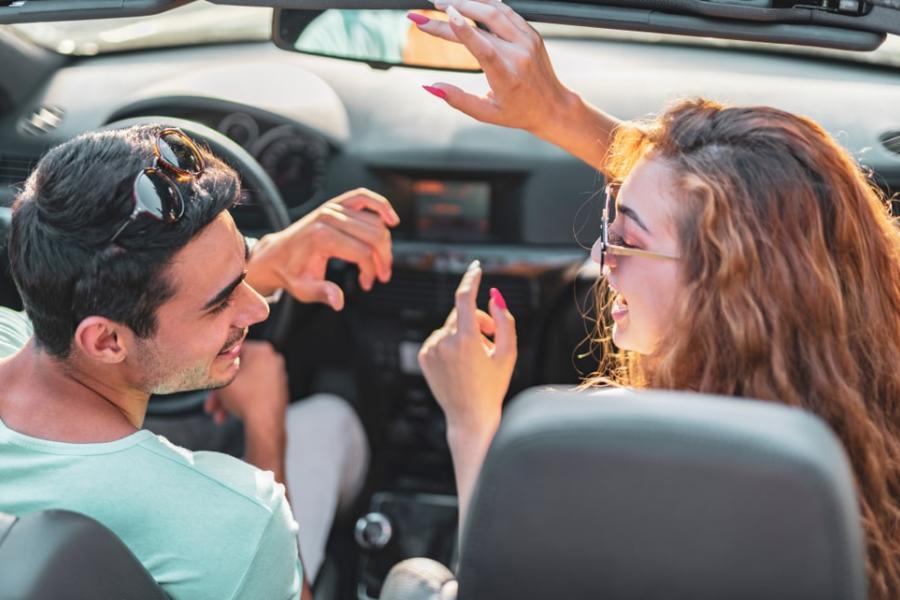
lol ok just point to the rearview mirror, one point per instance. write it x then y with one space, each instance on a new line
380 37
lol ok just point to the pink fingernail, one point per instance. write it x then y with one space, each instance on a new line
498 299
417 18
435 91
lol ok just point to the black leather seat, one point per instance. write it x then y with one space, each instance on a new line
654 495
61 555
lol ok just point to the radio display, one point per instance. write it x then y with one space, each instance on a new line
452 210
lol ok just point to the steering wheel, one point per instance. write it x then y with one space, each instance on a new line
267 196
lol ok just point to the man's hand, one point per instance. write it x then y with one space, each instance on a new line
259 393
258 396
353 227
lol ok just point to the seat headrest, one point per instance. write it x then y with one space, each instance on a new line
620 494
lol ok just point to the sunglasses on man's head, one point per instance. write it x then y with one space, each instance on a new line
609 216
156 192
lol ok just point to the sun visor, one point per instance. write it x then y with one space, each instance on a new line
30 11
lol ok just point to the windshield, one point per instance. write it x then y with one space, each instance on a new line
204 23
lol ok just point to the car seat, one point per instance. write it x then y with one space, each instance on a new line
57 554
622 494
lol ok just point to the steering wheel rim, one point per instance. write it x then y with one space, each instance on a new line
253 177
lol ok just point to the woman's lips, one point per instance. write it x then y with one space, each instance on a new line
619 308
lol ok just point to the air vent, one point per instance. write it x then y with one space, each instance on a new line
15 169
42 121
891 141
432 293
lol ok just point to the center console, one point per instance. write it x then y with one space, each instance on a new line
446 222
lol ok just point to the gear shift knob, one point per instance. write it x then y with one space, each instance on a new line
373 531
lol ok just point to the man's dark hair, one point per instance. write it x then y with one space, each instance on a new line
73 202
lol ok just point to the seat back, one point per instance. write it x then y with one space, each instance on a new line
60 554
620 494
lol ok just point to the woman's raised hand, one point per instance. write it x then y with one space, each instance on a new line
525 91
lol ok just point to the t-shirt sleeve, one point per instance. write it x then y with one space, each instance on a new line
15 330
275 571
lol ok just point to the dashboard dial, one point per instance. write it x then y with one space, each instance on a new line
241 128
294 160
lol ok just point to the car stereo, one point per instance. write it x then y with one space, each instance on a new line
453 208
456 210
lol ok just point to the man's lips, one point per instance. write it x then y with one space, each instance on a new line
234 349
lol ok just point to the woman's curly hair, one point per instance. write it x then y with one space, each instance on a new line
791 275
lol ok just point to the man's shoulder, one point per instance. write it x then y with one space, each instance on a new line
214 474
227 521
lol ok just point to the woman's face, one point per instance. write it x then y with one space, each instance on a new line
645 289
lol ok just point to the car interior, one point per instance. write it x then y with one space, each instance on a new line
302 126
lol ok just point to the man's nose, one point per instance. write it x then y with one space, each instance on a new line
255 309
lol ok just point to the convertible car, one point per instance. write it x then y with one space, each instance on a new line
310 98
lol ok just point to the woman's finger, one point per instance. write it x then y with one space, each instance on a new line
481 108
440 29
466 294
514 17
481 44
505 337
488 14
485 322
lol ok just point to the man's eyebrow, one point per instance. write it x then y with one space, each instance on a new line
225 293
631 214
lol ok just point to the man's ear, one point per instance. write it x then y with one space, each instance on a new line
101 339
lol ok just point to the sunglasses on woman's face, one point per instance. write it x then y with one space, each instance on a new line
609 216
156 192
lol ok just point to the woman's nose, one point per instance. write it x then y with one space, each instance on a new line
597 255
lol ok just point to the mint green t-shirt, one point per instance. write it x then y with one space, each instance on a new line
204 524
15 329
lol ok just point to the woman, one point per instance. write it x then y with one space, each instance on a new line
751 257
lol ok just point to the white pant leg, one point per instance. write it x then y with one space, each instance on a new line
325 467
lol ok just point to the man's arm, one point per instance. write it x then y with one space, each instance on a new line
259 396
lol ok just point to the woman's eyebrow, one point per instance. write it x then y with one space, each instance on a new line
631 214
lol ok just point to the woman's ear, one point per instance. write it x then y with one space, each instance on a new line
101 339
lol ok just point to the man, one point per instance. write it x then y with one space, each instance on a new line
137 281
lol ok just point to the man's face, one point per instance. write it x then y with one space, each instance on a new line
198 340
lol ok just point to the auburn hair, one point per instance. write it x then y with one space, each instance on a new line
791 273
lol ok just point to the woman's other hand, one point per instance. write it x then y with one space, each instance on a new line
469 374
467 371
525 91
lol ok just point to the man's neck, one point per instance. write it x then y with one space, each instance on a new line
55 400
